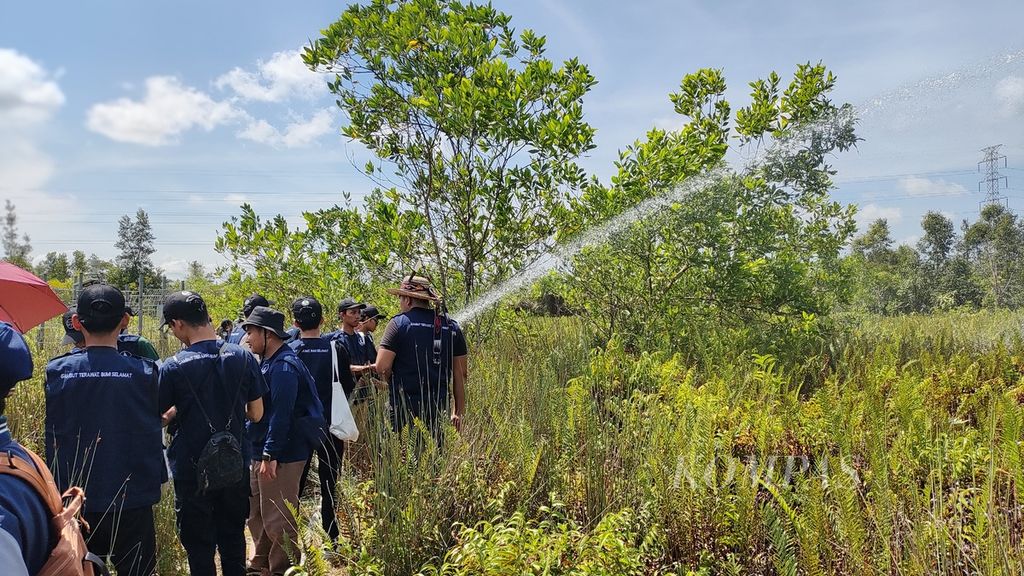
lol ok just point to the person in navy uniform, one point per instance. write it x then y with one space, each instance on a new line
315 353
421 352
213 521
349 314
26 537
283 441
103 433
368 321
248 306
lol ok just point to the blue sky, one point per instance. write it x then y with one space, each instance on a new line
187 109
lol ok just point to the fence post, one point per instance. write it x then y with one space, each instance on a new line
40 334
138 312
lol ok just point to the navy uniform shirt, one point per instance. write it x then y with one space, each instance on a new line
369 346
356 345
221 399
293 414
236 336
415 375
24 518
315 353
103 428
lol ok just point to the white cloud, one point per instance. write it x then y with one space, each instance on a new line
23 165
29 97
870 212
1010 94
28 93
917 186
283 77
236 199
174 268
297 134
167 109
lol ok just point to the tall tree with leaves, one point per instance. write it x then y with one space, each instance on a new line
472 126
756 249
97 268
135 242
79 263
55 266
995 244
16 248
875 245
939 238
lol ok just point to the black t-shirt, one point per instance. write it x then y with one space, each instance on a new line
360 350
242 383
315 353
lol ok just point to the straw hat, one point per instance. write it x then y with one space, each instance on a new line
416 287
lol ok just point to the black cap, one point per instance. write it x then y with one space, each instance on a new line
252 302
268 318
71 336
129 311
348 304
372 312
307 309
187 306
100 302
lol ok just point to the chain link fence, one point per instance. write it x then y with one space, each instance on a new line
147 304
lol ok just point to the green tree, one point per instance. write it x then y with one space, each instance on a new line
55 266
995 246
945 274
472 127
79 263
196 273
135 242
97 268
938 240
755 249
875 245
16 249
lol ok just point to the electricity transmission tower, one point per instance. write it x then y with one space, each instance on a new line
993 178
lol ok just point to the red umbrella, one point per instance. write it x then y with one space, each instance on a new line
25 300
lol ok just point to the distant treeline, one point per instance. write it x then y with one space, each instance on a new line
978 267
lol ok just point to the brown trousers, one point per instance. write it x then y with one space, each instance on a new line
271 523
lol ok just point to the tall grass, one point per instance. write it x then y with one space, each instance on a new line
899 453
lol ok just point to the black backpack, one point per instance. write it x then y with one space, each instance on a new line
220 464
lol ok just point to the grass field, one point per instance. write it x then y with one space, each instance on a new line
897 452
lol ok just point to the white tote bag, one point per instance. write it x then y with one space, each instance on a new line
342 424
